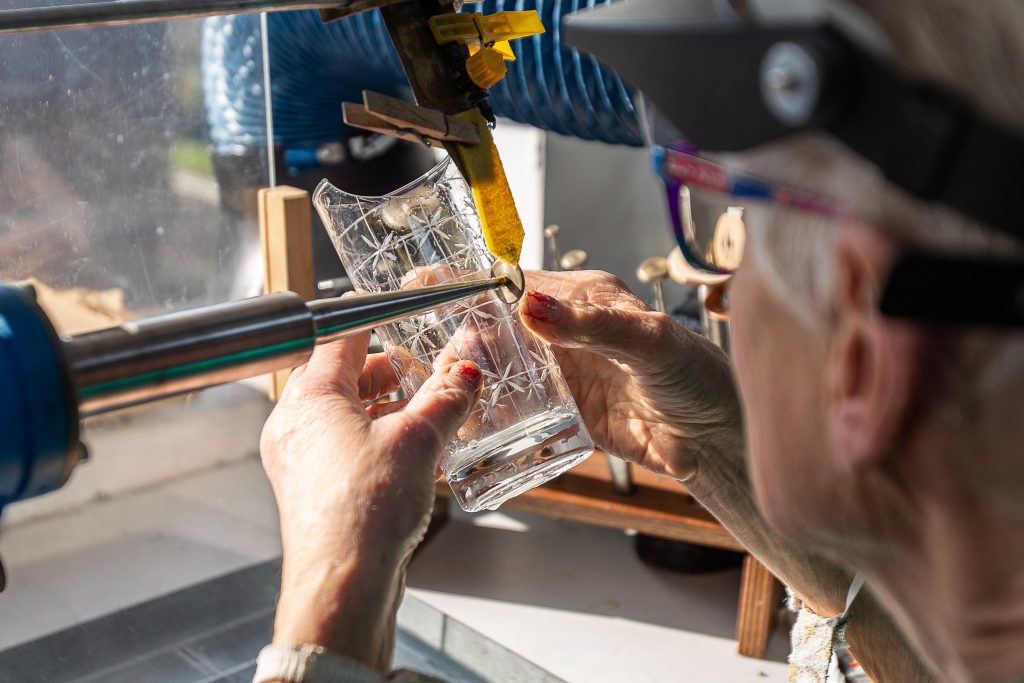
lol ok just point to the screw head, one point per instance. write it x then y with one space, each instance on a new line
790 83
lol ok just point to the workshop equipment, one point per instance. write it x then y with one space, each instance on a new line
53 382
552 254
654 271
574 259
487 38
551 85
50 383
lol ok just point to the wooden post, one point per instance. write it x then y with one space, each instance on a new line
759 604
286 235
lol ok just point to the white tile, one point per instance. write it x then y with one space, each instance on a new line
150 445
106 556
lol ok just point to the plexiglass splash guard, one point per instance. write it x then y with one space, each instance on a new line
526 428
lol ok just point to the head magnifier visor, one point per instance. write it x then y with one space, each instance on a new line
731 76
715 210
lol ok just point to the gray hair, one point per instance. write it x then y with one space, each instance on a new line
976 49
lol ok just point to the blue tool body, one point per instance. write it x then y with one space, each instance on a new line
38 416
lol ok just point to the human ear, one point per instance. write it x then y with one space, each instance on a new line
875 363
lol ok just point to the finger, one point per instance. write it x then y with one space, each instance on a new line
337 366
593 286
623 334
438 409
379 410
551 281
297 371
378 378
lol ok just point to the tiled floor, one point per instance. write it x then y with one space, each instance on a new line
212 631
573 599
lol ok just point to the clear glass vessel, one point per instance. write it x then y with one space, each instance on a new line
526 428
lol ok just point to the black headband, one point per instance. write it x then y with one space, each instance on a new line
729 83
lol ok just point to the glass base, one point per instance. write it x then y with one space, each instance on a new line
515 460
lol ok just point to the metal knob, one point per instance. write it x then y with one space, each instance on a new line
574 259
554 254
653 272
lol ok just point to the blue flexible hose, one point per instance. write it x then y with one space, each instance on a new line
314 67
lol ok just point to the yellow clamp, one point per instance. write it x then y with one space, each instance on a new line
487 38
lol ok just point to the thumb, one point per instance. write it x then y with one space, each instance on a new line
435 412
623 334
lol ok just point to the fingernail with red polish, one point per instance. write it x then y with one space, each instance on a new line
468 373
543 307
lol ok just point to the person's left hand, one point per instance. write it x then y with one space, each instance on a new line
354 489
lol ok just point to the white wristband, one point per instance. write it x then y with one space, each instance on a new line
309 664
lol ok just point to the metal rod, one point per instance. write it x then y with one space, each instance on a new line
24 20
344 316
158 357
658 302
150 359
715 328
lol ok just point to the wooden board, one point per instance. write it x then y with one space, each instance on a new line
585 495
760 595
286 235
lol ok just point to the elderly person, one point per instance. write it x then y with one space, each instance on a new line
890 442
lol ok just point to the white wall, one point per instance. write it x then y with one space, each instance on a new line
522 153
608 202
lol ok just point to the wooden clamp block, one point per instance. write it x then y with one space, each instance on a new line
407 121
286 236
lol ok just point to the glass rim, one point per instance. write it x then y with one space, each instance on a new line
434 170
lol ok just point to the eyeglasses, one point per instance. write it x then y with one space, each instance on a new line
713 207
710 206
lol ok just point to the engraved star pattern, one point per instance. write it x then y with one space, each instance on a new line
447 234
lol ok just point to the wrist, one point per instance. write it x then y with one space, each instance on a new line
347 606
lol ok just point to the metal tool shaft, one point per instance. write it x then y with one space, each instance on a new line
343 316
158 357
24 20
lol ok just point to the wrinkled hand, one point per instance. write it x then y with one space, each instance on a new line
354 489
650 391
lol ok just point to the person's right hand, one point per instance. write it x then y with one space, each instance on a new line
649 390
